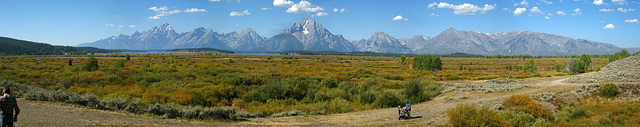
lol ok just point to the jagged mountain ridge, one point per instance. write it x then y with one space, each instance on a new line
314 37
310 35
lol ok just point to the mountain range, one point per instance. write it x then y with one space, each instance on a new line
309 35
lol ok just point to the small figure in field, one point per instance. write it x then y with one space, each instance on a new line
8 105
400 112
408 109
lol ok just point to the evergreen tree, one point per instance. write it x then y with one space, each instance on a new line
91 64
619 55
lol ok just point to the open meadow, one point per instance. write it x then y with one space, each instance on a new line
264 88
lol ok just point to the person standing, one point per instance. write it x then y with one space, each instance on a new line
8 105
408 108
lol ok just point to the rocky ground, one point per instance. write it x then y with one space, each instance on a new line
490 86
624 70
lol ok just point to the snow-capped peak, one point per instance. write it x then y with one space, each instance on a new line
305 31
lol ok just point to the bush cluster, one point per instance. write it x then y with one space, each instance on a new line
427 62
468 115
609 90
570 112
135 106
524 103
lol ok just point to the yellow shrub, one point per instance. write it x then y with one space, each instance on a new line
524 103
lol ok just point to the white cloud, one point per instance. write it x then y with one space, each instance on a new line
120 26
506 9
132 26
108 24
625 10
598 2
338 10
434 15
547 17
547 2
162 12
157 9
304 7
320 14
619 1
631 21
535 10
464 9
264 8
523 3
577 12
234 13
519 11
398 18
214 0
192 10
601 21
282 3
609 27
606 10
560 13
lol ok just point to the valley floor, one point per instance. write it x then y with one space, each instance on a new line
429 113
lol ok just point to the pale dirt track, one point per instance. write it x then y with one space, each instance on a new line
431 112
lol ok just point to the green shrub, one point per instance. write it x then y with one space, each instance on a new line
541 122
120 63
90 100
609 90
417 90
217 113
388 98
191 112
468 115
91 64
115 104
367 97
137 106
330 82
518 119
339 105
163 110
243 114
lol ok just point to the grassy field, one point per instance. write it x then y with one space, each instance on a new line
263 85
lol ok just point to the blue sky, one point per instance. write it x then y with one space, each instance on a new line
71 22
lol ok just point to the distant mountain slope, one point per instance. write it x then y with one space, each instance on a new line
281 42
164 37
511 43
10 46
310 35
383 43
243 41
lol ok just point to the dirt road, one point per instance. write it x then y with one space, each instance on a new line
431 112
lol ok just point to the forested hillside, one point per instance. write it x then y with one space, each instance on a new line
10 46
